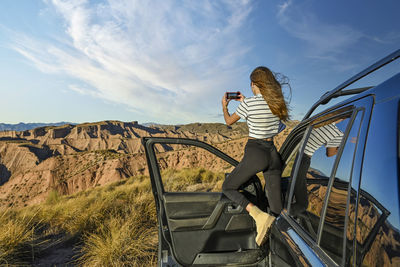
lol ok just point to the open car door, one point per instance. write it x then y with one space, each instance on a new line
201 228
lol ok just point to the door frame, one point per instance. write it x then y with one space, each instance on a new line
165 247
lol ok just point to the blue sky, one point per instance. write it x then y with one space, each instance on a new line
171 61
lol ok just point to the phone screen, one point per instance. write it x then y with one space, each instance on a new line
232 95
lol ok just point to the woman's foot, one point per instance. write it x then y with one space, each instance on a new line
263 223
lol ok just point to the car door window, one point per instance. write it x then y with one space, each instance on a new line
186 168
315 167
332 237
378 219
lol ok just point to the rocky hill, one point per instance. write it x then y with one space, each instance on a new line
72 158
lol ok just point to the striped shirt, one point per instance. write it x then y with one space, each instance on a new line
328 135
260 120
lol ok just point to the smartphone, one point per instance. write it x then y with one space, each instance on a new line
233 95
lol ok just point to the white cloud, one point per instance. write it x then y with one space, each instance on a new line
337 46
283 7
159 58
83 90
325 41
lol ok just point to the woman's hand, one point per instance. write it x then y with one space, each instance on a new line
228 118
241 99
225 101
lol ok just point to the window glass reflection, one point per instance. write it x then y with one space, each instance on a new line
377 240
315 168
334 224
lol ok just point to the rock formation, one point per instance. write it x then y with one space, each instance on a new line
72 158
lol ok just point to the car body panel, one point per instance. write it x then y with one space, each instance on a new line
379 185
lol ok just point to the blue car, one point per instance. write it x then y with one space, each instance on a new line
340 190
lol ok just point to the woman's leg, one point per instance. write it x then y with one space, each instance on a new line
254 161
273 190
272 178
256 158
300 188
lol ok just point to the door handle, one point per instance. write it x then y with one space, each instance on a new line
232 208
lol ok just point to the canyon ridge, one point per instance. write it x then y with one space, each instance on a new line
72 158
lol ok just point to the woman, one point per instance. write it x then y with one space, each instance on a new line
263 113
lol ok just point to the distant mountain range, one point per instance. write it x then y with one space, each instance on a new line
28 126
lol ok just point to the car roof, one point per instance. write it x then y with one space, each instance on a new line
339 90
388 89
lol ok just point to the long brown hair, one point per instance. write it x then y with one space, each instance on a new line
271 91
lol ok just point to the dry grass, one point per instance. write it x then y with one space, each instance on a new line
17 237
112 244
115 225
192 179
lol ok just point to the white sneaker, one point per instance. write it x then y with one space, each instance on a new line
264 222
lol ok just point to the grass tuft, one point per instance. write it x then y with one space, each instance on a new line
17 238
192 179
53 197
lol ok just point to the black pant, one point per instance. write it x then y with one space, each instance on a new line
300 188
259 155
